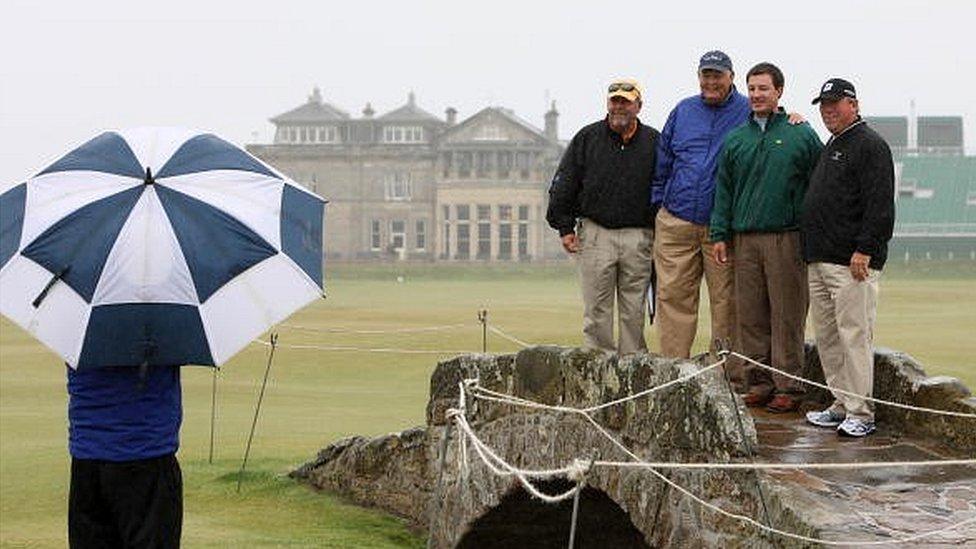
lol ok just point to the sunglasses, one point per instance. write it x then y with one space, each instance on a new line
621 87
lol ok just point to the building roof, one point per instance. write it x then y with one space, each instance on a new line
507 114
314 110
943 201
409 112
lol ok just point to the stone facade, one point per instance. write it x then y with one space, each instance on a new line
408 185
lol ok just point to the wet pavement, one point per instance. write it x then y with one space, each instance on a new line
869 504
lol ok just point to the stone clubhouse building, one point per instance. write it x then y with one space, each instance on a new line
409 185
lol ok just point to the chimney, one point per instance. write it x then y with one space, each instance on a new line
451 114
552 128
368 111
316 96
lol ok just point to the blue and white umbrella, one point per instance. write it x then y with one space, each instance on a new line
156 246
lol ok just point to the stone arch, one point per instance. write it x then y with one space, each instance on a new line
520 521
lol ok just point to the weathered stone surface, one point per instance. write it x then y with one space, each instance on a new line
690 422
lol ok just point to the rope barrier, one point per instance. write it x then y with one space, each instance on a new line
522 475
498 331
369 350
373 332
848 393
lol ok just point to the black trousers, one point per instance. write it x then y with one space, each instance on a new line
129 504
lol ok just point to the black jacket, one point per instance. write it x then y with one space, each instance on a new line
850 203
604 179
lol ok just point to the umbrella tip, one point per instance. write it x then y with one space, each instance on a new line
149 177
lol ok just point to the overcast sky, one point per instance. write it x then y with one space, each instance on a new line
72 69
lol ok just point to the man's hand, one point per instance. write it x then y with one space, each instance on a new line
859 266
720 251
796 118
570 243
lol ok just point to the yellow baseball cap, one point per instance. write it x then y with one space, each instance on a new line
628 88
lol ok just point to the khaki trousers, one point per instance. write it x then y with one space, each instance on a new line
614 263
771 305
843 312
682 253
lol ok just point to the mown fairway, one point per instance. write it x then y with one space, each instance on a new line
317 396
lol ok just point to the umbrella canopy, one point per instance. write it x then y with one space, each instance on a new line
156 246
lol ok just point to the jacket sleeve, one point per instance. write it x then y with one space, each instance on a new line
664 161
812 147
877 179
720 228
565 188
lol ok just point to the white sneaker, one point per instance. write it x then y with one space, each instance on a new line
825 418
853 427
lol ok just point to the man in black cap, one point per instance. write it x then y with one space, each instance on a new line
848 218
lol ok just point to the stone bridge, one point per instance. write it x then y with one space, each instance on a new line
690 422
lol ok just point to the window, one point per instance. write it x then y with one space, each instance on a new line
403 134
484 163
505 240
484 212
524 163
463 212
398 234
293 135
421 235
523 213
446 254
327 134
465 161
448 157
523 240
489 132
504 212
504 164
374 235
397 186
484 240
463 241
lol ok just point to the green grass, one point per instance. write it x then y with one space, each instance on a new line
315 397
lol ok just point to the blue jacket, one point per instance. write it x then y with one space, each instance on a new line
113 415
687 154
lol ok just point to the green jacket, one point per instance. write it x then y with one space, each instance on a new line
762 177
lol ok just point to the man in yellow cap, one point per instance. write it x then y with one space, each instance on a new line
599 201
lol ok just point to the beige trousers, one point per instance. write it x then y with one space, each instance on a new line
843 312
682 253
771 305
614 263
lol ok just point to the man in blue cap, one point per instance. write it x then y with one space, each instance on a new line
684 188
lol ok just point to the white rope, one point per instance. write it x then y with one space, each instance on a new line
790 466
344 348
507 336
389 331
483 449
848 393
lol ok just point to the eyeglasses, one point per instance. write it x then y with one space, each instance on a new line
617 86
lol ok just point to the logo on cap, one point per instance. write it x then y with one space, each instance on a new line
828 86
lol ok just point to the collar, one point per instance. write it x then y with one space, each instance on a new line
733 91
857 122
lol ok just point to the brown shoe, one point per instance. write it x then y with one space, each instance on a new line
758 396
783 403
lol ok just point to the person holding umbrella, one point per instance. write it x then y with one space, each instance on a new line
138 252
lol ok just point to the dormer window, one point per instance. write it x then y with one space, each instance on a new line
403 134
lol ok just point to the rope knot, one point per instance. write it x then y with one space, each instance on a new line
578 469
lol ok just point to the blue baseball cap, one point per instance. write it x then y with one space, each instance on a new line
715 60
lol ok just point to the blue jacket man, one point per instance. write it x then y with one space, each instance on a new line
684 187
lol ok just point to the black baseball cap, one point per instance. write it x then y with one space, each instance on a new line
715 60
834 89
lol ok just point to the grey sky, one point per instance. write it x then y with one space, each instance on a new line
72 69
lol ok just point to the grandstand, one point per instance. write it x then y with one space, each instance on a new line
935 199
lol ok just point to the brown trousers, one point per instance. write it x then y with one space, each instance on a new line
771 304
614 263
682 253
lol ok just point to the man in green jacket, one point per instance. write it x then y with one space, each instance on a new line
763 171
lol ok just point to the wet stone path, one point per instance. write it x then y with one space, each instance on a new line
868 504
